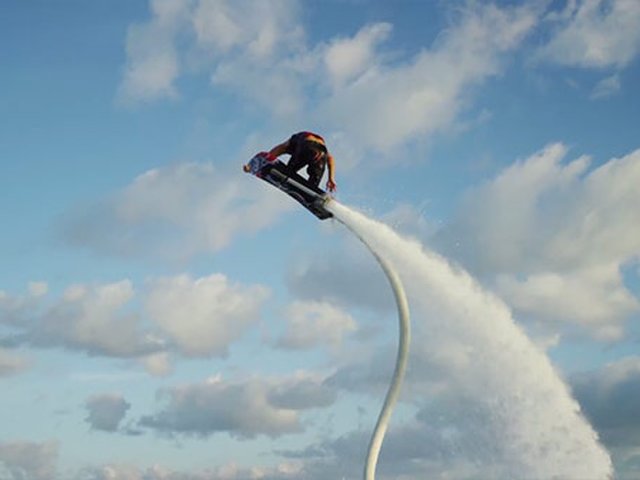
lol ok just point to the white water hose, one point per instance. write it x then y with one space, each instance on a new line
401 359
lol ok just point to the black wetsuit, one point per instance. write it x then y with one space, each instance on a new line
308 149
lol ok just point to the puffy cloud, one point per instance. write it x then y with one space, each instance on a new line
29 460
348 58
15 310
91 318
194 317
190 35
256 48
425 94
106 411
95 319
593 297
594 34
10 363
302 391
153 62
553 238
310 324
259 28
242 409
175 212
203 316
262 56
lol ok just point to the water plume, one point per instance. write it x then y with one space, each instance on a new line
513 416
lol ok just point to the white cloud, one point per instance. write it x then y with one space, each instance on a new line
594 34
91 318
553 238
301 391
106 411
29 460
195 317
606 87
95 319
594 297
242 409
227 37
389 105
15 309
348 58
203 316
176 212
153 62
255 27
311 323
257 49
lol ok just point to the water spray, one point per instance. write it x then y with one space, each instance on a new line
530 426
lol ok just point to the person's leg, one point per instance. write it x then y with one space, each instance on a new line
315 170
296 163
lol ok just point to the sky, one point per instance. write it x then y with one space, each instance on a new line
165 316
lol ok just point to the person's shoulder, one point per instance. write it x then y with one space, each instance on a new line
296 136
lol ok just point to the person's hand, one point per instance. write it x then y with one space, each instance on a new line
246 168
331 185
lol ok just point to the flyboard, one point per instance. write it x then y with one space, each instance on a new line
273 171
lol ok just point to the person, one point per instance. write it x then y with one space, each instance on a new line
307 149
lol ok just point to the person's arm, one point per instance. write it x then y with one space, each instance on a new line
331 182
280 149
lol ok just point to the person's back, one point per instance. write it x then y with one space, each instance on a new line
308 149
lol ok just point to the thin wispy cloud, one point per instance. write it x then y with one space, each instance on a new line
594 34
607 87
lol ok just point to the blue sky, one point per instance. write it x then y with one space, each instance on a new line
159 309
